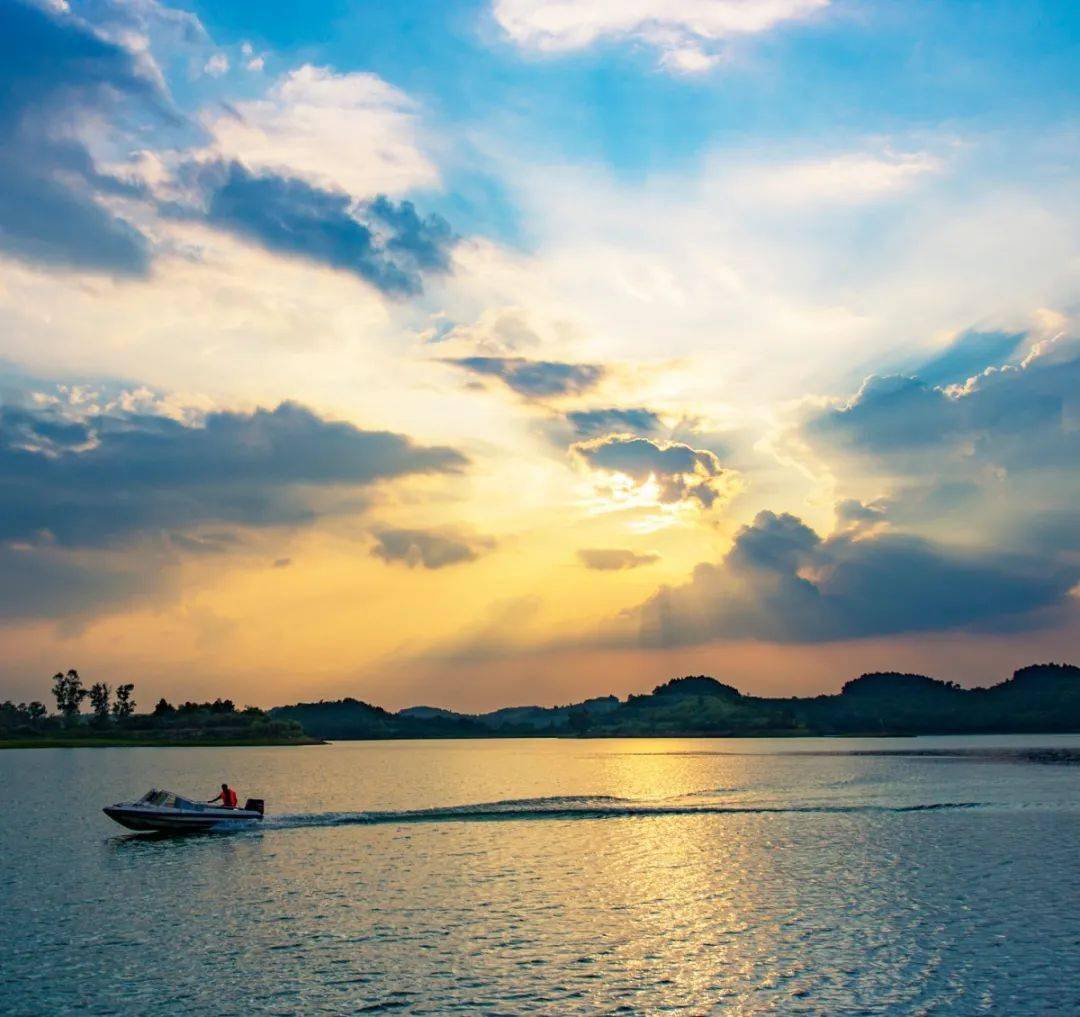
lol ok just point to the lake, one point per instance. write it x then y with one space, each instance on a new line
751 876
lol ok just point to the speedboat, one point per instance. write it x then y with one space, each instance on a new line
166 812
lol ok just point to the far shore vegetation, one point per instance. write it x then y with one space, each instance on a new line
1042 698
1039 698
112 720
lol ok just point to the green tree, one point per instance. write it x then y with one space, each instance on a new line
100 694
10 715
579 720
69 693
124 706
163 708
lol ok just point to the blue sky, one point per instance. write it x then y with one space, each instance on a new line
853 68
773 303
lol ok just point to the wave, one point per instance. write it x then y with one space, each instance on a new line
580 807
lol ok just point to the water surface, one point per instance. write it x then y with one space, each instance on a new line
931 875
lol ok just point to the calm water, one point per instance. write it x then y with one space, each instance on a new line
561 877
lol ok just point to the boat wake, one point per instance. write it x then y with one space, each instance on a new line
575 807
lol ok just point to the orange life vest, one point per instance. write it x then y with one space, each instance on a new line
228 798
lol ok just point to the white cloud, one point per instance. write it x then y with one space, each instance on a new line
355 132
688 58
217 65
685 32
252 61
843 178
753 280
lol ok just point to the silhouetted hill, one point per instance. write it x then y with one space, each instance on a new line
344 719
888 683
428 713
1042 697
696 685
519 719
543 718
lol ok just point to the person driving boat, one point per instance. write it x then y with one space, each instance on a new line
227 797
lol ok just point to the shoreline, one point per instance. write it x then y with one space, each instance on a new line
151 743
158 743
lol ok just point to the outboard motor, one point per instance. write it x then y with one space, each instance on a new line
254 805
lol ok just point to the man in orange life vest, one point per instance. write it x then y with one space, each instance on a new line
227 797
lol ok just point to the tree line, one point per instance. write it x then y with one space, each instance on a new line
112 715
69 693
108 706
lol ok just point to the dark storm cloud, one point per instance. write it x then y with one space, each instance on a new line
534 378
388 245
782 582
614 559
681 472
430 548
99 480
54 73
594 423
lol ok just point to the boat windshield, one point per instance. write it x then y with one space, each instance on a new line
168 800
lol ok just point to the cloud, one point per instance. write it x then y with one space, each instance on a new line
1020 418
106 477
895 412
217 65
281 171
342 132
56 76
970 354
432 549
781 582
854 514
843 178
45 582
141 26
593 423
388 245
681 473
686 33
614 559
991 459
497 332
534 378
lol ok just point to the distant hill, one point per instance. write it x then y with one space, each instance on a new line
344 719
695 685
1039 698
427 713
351 718
543 718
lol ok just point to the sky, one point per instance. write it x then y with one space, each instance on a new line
498 352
